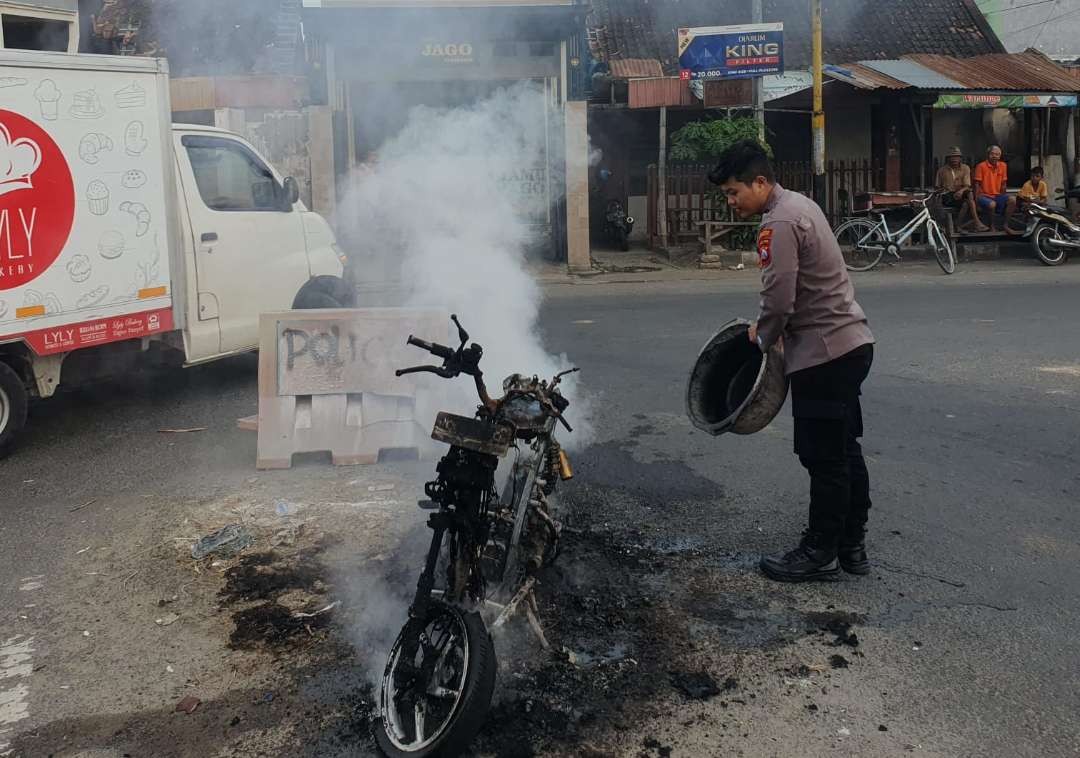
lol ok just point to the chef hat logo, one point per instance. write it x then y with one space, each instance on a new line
19 159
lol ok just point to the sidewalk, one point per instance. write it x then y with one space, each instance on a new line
639 265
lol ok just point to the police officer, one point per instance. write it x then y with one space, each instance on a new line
808 304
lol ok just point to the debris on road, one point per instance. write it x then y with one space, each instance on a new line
81 507
839 662
844 731
381 488
225 543
695 685
188 705
167 620
167 600
319 612
183 431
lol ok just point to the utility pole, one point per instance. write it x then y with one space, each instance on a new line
661 199
819 108
759 82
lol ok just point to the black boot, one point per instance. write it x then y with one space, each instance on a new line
813 560
852 551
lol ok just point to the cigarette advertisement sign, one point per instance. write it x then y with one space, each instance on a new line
731 52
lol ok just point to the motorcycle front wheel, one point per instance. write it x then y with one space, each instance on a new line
439 705
1048 254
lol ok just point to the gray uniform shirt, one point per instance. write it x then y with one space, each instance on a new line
806 295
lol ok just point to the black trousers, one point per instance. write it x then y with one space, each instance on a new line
828 425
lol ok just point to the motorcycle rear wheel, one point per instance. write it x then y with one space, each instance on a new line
1051 256
456 698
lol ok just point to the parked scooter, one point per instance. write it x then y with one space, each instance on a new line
618 225
1053 229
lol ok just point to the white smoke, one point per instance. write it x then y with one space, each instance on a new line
437 212
437 209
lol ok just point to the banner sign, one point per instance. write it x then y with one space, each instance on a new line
979 100
731 52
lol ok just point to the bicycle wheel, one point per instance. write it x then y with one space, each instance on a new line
942 249
861 243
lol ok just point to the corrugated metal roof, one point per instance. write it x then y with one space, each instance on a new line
1028 72
635 68
652 93
858 75
913 74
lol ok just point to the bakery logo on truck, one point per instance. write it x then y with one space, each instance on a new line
37 201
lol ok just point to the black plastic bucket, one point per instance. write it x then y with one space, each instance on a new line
733 387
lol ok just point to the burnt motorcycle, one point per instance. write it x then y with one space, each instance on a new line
1053 229
618 225
485 550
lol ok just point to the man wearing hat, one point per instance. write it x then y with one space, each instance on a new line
954 179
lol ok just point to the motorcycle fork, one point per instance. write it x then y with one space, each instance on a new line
440 523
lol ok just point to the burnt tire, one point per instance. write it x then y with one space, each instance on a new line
323 292
13 405
472 707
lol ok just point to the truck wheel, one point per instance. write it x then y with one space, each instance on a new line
324 292
12 408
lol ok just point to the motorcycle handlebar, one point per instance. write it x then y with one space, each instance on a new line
442 351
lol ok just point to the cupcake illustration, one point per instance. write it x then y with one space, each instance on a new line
97 196
48 95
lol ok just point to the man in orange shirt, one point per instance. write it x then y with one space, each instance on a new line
991 179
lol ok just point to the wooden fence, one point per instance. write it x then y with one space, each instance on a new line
692 198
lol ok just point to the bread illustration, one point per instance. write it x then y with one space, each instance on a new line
141 214
135 143
12 81
3 310
79 269
93 297
50 301
133 179
112 245
91 145
97 197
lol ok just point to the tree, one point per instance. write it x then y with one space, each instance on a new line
705 140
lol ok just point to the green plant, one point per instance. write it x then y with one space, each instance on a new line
705 140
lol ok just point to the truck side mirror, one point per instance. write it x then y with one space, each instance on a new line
290 194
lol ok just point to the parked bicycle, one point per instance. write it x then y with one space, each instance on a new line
864 241
440 676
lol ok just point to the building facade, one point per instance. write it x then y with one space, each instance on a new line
51 25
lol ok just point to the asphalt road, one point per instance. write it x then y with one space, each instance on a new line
969 623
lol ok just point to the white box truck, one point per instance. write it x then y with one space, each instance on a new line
123 235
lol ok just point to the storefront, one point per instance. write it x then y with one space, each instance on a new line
380 61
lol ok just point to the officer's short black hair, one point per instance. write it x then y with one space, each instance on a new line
744 161
1037 171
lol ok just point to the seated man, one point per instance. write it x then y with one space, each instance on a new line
991 179
1034 189
954 179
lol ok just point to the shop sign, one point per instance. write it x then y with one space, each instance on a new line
991 100
731 52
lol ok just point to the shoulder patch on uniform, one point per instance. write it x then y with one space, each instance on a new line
764 248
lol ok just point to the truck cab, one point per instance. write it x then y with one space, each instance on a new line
248 244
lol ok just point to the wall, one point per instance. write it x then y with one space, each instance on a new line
847 132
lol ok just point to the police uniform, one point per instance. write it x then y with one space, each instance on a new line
808 300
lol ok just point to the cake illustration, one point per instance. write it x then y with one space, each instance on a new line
86 105
97 196
132 96
48 95
93 297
